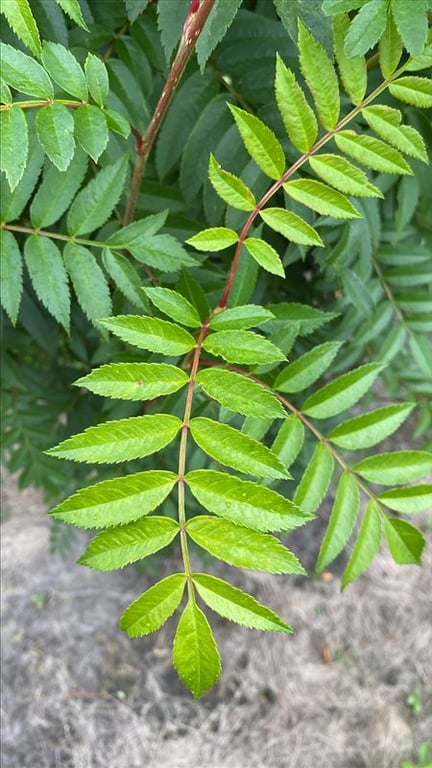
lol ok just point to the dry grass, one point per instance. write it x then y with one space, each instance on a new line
79 694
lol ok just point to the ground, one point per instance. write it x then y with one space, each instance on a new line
77 693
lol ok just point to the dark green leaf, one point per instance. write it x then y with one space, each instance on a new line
151 333
150 611
57 190
49 277
88 280
412 23
220 19
353 71
240 394
126 544
97 78
366 28
134 381
195 653
125 276
117 122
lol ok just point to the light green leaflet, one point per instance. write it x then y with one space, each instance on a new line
342 392
24 73
289 440
298 117
242 547
301 373
372 152
55 132
240 318
64 69
315 481
233 449
126 544
386 122
150 611
321 198
125 276
195 653
235 605
244 347
390 48
213 239
291 226
239 393
367 544
404 541
118 501
341 523
343 175
245 503
14 150
174 305
397 467
230 188
151 333
408 500
73 9
260 142
320 76
121 440
134 381
370 428
21 20
352 70
265 255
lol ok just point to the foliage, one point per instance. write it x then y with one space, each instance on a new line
289 225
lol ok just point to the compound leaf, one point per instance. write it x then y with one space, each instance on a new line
243 502
195 653
24 73
315 480
134 381
343 175
241 546
55 132
290 226
301 373
397 467
341 523
174 305
341 393
151 333
49 277
21 20
245 347
121 440
64 69
128 543
230 188
150 611
231 448
235 605
88 280
320 76
118 501
265 255
370 428
298 117
321 198
404 541
240 394
260 142
366 546
15 144
94 204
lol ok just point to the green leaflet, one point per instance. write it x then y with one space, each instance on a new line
413 90
125 276
412 23
408 500
390 48
220 19
10 274
366 546
95 203
55 129
265 255
370 428
404 541
135 233
57 190
366 28
290 226
134 8
64 69
126 544
245 347
240 394
242 547
321 198
49 277
170 23
306 319
231 448
195 653
289 440
397 467
134 381
13 203
230 188
73 9
150 611
174 305
88 280
24 73
213 239
14 148
163 252
21 20
260 142
240 318
5 93
118 501
341 393
117 122
121 440
91 130
353 71
301 373
341 523
320 76
385 121
424 60
372 152
97 78
298 117
244 503
151 333
343 175
235 605
315 481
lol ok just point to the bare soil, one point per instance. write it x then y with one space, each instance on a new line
77 693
